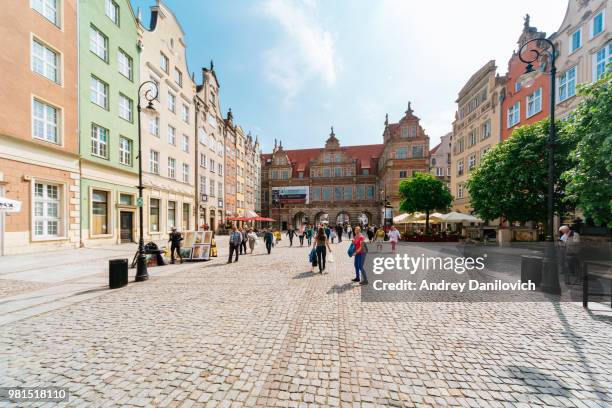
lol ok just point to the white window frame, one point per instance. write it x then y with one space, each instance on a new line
592 33
110 7
45 203
154 125
47 11
607 59
459 190
565 81
99 147
486 129
95 43
534 103
460 167
125 155
185 113
171 102
164 62
98 96
171 135
514 114
471 161
125 64
153 161
48 69
126 112
178 76
172 168
185 143
185 173
46 123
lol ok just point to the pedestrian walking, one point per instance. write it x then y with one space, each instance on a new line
309 234
359 254
339 230
301 235
268 238
277 237
234 243
252 238
175 239
349 231
290 234
243 243
321 244
369 232
332 235
379 238
394 236
327 231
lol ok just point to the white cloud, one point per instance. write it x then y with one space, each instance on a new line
305 51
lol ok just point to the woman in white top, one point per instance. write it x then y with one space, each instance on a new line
394 236
252 237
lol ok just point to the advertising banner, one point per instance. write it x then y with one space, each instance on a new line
291 195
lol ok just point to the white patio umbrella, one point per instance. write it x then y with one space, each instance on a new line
457 217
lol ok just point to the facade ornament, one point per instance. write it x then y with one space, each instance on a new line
386 119
212 66
409 110
332 132
526 22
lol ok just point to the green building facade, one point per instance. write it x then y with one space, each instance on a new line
108 134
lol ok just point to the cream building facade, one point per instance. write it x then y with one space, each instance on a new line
584 47
168 136
240 171
476 129
440 159
210 152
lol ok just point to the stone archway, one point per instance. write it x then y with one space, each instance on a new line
322 217
299 219
343 218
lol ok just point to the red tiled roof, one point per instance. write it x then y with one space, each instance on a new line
435 148
366 156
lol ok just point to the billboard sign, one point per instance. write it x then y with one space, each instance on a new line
291 195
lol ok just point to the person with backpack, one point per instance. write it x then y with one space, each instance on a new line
268 238
175 244
321 244
234 242
360 250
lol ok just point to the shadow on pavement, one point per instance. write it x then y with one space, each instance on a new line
340 288
304 275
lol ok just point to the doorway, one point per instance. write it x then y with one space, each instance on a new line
127 223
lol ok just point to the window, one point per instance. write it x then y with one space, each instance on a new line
171 168
514 113
417 151
124 64
112 11
484 150
472 138
98 43
126 199
326 192
99 141
186 216
472 161
517 86
601 59
171 214
575 40
202 160
45 122
360 192
440 171
154 215
401 153
326 172
337 193
460 191
370 192
99 213
365 172
274 175
125 151
300 174
171 102
285 174
125 107
178 77
203 185
338 172
348 193
154 162
220 189
47 207
534 102
461 145
403 173
597 24
486 130
99 92
185 173
185 144
567 84
220 169
185 113
212 166
163 62
460 167
45 61
404 132
171 135
316 193
154 125
48 9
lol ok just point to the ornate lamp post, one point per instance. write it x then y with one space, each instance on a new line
550 278
150 95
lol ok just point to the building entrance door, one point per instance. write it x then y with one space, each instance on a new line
127 223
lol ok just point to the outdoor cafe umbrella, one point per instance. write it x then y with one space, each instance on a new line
457 217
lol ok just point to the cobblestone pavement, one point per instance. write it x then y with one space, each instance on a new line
266 332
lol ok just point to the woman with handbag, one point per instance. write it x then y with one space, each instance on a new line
321 244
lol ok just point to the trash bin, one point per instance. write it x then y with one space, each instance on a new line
531 269
117 273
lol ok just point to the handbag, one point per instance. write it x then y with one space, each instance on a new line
351 249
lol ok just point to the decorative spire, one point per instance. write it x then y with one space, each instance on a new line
212 65
409 110
275 144
332 132
386 119
526 22
230 115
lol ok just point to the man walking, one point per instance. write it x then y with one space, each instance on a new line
309 233
290 234
301 235
339 230
175 244
243 244
268 238
234 243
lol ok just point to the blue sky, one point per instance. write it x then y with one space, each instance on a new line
290 69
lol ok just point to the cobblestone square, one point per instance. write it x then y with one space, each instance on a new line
267 332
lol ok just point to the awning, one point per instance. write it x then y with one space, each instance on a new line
9 206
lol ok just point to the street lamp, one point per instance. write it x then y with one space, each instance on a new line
550 279
150 95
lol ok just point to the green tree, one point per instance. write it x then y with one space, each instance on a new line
424 193
589 182
512 179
